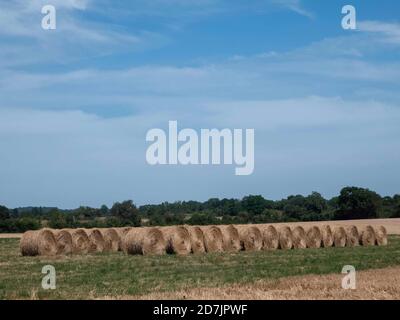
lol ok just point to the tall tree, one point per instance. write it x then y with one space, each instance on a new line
357 203
4 213
127 212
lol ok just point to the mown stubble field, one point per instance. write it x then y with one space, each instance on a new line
249 275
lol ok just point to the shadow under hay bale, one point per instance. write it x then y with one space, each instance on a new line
270 238
353 236
327 236
285 238
213 239
144 241
299 238
38 243
314 237
178 240
231 238
339 237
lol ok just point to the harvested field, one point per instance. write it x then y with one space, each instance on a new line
114 274
378 284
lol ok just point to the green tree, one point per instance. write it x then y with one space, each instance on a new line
357 203
104 211
127 212
253 204
27 223
4 213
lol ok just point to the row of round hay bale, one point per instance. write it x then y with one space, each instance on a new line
111 239
327 236
196 239
144 241
314 237
352 236
285 238
213 239
339 237
96 240
367 236
381 236
64 242
299 238
250 238
122 231
38 243
270 238
183 240
231 238
80 241
178 240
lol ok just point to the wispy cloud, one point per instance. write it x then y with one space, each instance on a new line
20 27
295 6
388 32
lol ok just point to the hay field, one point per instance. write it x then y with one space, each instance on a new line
116 275
376 284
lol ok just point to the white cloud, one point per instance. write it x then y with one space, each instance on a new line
295 6
71 158
387 32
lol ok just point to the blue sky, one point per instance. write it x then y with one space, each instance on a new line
76 102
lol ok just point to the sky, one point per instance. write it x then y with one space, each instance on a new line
76 102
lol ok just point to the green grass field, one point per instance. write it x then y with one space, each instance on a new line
116 274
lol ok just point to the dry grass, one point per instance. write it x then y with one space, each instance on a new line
378 284
10 235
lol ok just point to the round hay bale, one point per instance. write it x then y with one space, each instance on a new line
367 237
250 238
64 241
270 238
80 241
96 240
145 241
339 237
299 238
285 238
381 236
196 239
231 238
111 239
314 237
213 239
178 240
122 233
327 236
38 243
353 236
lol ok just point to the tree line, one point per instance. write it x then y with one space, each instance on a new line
351 203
